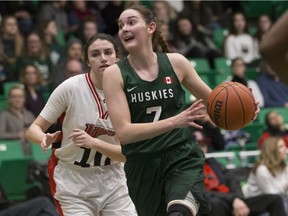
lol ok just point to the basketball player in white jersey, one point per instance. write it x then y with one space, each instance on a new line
86 177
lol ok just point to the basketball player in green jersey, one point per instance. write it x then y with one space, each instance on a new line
146 104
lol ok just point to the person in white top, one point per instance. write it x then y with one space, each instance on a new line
270 173
239 43
85 169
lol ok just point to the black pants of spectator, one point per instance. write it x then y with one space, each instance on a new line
39 206
257 205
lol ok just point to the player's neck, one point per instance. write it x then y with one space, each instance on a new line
142 59
96 82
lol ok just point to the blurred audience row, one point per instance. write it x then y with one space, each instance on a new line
45 33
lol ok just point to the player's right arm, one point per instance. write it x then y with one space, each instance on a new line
119 113
36 133
82 139
274 47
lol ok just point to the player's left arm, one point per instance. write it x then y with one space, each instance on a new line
274 47
82 139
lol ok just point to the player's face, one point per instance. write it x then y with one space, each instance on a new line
132 29
101 54
239 68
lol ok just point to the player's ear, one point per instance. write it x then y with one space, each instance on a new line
152 27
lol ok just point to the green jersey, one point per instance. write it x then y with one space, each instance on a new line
153 101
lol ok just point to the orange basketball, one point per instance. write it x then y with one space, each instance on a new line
231 105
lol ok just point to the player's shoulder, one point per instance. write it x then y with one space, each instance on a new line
111 71
71 83
177 60
176 57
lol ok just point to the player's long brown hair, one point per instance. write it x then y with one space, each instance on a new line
149 17
270 156
101 36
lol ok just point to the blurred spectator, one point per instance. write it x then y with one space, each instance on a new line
210 136
15 120
165 32
193 44
200 15
80 11
88 27
34 91
236 138
48 32
24 11
6 71
220 15
223 190
73 68
264 24
166 15
239 43
12 40
35 52
275 126
38 206
110 14
73 51
55 10
270 173
238 75
274 91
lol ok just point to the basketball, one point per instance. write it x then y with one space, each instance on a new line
231 105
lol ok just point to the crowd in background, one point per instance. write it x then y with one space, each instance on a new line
41 44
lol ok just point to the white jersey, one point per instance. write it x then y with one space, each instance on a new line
84 108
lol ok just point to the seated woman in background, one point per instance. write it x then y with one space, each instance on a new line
239 43
275 126
238 75
34 90
15 120
270 173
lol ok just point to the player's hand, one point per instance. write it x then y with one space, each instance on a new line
240 208
48 140
197 111
82 139
257 110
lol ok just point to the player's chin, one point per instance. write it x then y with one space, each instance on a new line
102 69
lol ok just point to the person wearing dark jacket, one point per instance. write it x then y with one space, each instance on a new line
37 206
275 92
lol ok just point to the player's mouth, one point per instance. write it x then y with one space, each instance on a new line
104 66
128 38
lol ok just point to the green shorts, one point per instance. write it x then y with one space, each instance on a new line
156 181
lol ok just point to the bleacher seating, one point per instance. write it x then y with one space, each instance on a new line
7 86
218 37
10 149
255 129
226 158
38 154
3 102
13 170
223 66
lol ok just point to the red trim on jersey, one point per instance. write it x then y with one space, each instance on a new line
95 94
53 161
105 116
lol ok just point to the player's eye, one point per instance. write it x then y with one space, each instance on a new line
108 52
95 54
